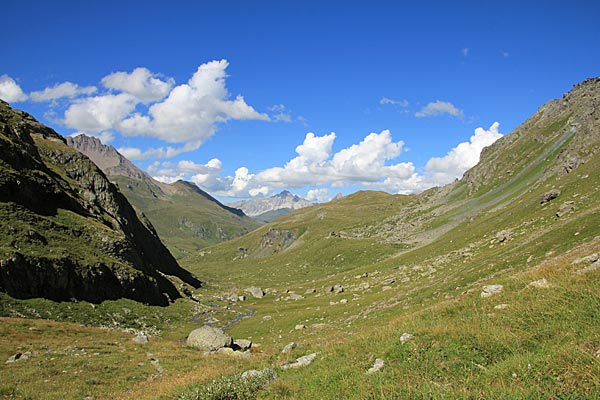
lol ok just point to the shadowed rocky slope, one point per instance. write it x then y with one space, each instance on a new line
66 232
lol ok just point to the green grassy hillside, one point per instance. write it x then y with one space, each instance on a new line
186 218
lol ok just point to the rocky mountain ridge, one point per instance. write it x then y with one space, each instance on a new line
66 232
284 200
186 218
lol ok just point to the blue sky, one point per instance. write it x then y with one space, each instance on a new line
250 98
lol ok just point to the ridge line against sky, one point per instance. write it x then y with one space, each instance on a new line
323 105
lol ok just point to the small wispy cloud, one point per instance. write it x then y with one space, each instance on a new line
437 108
388 101
280 113
61 90
465 51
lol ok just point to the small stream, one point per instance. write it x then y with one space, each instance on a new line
207 319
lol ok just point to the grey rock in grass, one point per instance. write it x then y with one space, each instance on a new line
540 284
592 258
301 361
14 358
490 290
289 347
256 292
338 289
140 338
242 344
406 337
549 196
565 208
208 338
378 365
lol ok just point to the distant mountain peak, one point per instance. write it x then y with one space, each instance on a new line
285 193
110 161
284 200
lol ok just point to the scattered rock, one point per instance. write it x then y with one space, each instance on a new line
364 286
389 281
540 284
386 288
289 347
597 353
300 362
299 327
319 326
592 258
267 318
343 301
379 364
503 236
565 208
208 338
549 196
310 291
242 298
406 337
256 292
157 366
140 338
338 289
502 306
226 350
14 358
294 296
490 290
242 344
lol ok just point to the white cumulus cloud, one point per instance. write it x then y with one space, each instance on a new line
318 195
442 170
141 83
61 90
99 113
368 163
438 107
134 153
10 91
191 111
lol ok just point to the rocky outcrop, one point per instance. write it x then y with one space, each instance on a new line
68 233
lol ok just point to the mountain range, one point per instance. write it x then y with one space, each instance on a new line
267 209
186 218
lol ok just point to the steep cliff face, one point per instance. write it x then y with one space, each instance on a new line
66 231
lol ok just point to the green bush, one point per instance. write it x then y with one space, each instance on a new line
232 387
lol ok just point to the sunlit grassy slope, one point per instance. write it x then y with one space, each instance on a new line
407 264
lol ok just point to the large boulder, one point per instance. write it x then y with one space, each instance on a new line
208 338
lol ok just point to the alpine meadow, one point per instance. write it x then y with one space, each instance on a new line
162 239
